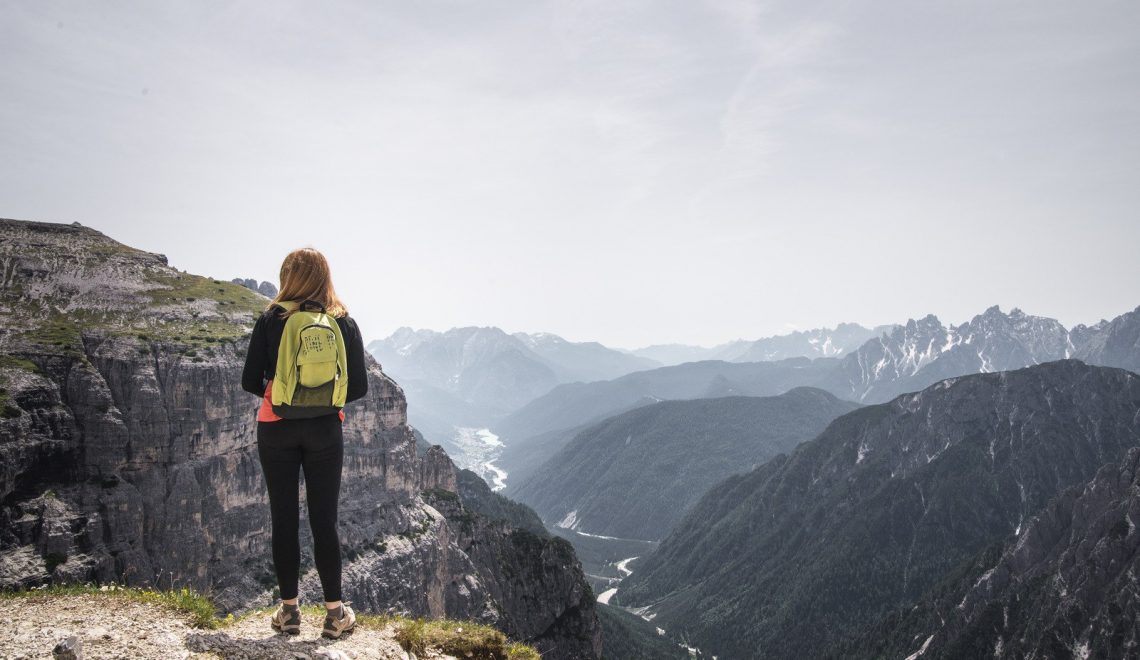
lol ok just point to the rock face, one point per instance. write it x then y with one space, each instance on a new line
812 548
128 451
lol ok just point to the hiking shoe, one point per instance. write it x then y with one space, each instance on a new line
338 622
287 620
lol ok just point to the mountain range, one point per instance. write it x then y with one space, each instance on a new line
635 474
912 356
802 554
820 342
538 430
474 376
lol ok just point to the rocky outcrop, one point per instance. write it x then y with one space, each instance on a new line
565 626
267 289
128 451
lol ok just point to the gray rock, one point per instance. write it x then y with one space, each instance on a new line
267 289
68 649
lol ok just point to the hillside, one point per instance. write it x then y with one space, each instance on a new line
810 549
1065 586
478 497
573 406
635 474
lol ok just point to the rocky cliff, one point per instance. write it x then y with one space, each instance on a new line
128 453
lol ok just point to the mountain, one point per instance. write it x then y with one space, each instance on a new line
582 361
1111 343
673 354
128 454
805 552
483 366
635 474
1066 586
472 377
536 431
923 352
820 342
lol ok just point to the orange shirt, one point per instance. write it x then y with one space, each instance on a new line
265 412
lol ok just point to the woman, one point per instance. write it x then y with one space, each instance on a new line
315 445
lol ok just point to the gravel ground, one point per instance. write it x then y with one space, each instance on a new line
111 627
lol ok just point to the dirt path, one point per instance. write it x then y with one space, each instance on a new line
120 628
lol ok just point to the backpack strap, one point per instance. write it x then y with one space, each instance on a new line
305 303
293 305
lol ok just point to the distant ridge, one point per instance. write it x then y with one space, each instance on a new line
820 342
633 475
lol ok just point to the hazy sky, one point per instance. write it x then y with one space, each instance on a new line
630 172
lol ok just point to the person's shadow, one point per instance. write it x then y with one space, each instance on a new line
271 647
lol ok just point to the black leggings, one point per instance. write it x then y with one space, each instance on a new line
317 446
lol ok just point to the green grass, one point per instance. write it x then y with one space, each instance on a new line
463 639
11 362
183 287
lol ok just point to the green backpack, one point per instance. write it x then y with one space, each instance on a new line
312 369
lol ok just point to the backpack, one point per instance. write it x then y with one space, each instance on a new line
312 369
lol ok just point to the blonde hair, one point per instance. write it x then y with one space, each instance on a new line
305 275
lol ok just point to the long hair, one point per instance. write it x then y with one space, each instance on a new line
305 276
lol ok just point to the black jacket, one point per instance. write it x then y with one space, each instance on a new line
261 356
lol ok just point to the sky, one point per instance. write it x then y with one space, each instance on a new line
629 172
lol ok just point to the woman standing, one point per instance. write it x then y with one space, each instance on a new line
314 444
